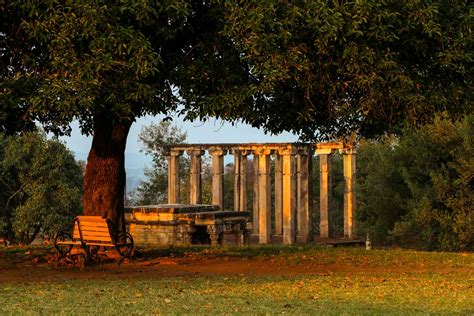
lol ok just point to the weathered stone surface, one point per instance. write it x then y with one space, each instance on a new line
255 195
278 195
289 196
325 171
195 192
173 176
218 177
303 199
164 225
349 162
264 197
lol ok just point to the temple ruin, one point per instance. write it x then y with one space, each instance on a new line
292 212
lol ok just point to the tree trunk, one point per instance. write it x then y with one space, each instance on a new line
104 179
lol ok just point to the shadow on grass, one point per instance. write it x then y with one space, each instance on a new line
254 251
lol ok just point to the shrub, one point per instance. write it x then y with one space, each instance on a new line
416 190
41 186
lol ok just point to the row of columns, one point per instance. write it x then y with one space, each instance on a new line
293 218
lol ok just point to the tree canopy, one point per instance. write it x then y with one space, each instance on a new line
320 69
325 69
316 68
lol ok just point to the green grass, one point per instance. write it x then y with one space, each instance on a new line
356 256
332 294
446 288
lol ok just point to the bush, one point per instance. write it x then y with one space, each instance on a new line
417 190
41 186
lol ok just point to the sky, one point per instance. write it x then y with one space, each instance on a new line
212 131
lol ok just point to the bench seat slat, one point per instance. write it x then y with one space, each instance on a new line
105 226
92 232
88 229
98 238
95 237
90 218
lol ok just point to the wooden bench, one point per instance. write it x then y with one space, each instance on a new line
91 237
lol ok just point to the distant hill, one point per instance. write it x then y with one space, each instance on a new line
134 176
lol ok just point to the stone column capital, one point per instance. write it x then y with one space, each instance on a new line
217 152
262 151
324 151
348 151
168 152
195 152
241 152
288 151
175 153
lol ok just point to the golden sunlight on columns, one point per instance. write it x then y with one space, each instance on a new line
173 176
264 196
218 176
325 179
255 210
195 196
349 161
289 195
278 195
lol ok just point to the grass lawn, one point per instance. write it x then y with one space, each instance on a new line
341 281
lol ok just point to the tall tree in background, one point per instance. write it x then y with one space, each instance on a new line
317 68
154 138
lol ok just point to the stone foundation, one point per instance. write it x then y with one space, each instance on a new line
176 225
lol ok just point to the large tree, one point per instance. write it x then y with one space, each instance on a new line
317 68
105 64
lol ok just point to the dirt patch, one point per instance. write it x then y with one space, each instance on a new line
16 270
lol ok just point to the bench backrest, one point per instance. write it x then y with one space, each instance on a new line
92 229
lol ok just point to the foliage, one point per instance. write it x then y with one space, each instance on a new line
324 69
41 186
153 138
419 188
87 58
342 66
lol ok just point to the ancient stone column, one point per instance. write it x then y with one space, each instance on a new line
195 196
264 196
303 199
173 176
218 176
278 195
289 195
255 210
325 180
349 161
240 179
